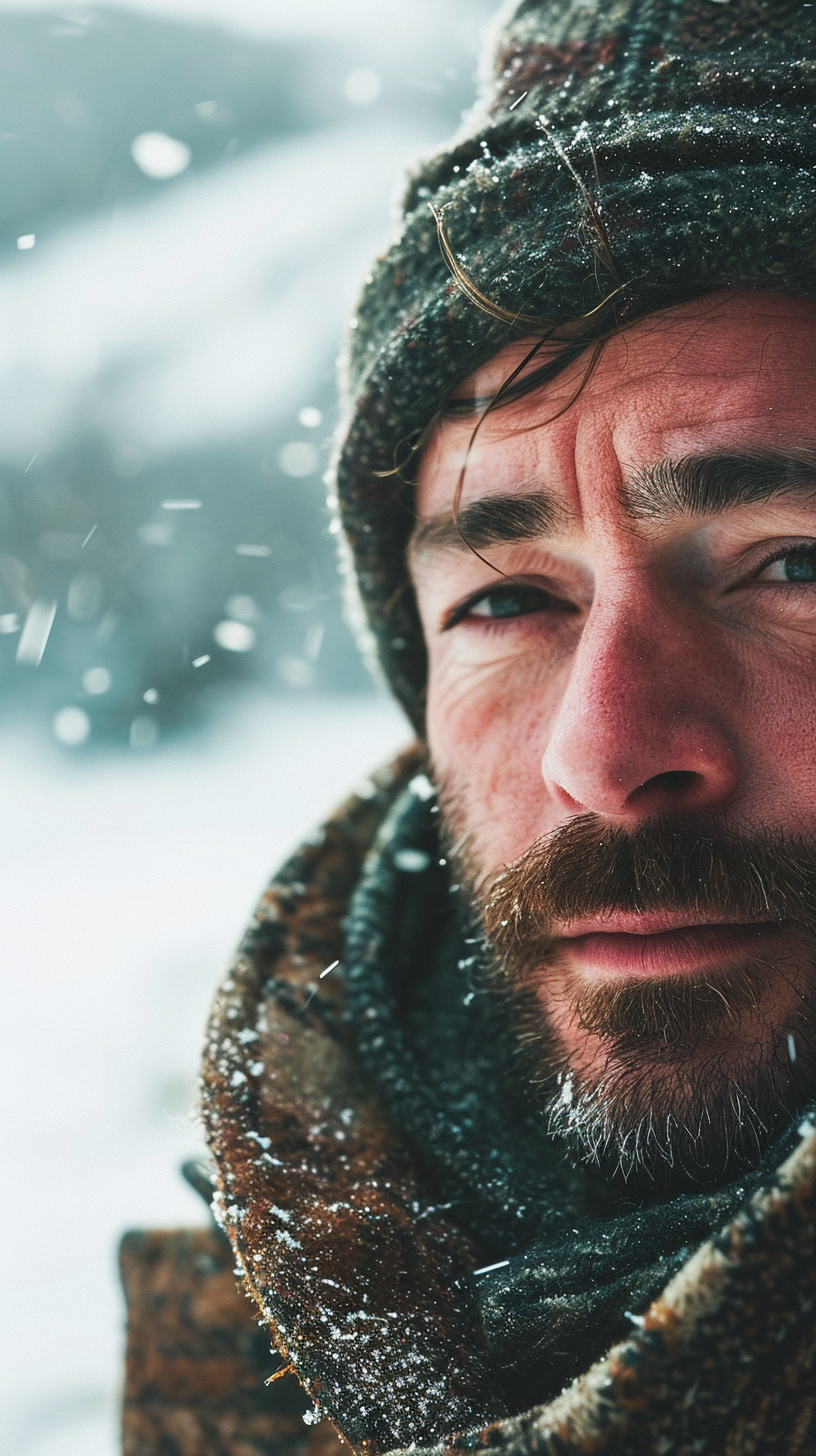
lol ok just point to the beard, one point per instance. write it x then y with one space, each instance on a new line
670 1082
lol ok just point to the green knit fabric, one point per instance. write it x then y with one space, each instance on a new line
691 124
574 1250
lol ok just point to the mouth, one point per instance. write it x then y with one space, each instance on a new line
663 944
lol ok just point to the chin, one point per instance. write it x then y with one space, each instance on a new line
672 1107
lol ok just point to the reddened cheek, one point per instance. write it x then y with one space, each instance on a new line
471 679
486 731
505 654
490 648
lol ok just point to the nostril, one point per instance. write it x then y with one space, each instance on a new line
674 781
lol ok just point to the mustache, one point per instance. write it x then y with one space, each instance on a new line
587 867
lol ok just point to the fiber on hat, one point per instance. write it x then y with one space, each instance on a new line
688 126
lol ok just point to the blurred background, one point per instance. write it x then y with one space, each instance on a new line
190 194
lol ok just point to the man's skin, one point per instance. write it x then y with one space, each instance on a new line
662 661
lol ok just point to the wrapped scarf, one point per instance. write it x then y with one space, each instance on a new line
373 1156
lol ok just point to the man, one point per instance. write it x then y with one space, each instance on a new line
512 1121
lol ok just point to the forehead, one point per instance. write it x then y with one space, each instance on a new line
725 371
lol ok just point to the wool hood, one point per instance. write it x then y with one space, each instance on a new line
622 156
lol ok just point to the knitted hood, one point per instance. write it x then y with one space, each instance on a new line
685 127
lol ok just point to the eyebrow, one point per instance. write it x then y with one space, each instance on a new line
695 485
704 485
488 522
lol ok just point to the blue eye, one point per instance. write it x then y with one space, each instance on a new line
800 564
796 565
505 601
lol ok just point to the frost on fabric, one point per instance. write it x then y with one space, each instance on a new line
362 1284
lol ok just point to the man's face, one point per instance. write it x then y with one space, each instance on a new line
625 641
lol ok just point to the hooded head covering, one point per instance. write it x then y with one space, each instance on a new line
626 154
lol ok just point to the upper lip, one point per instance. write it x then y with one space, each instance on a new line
655 922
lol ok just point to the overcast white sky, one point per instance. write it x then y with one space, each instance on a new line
197 315
201 313
396 21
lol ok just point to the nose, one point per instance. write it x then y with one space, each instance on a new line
640 729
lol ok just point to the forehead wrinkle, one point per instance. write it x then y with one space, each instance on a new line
491 521
708 484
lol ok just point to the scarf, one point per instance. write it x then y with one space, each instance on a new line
579 1259
374 1160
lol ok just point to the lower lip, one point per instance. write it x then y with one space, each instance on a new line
672 952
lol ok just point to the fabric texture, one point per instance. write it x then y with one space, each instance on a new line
359 1236
581 1258
356 1271
196 1362
689 126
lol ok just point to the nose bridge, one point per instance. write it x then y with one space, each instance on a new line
638 728
623 657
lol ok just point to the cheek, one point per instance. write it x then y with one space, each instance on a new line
487 731
780 724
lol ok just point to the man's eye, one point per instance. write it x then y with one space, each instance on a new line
505 601
796 565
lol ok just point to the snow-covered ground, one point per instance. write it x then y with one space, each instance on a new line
124 885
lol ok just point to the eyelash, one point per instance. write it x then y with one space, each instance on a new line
806 547
458 614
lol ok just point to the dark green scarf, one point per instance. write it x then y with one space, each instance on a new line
580 1259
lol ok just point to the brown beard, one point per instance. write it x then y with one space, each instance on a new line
676 1012
676 1101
